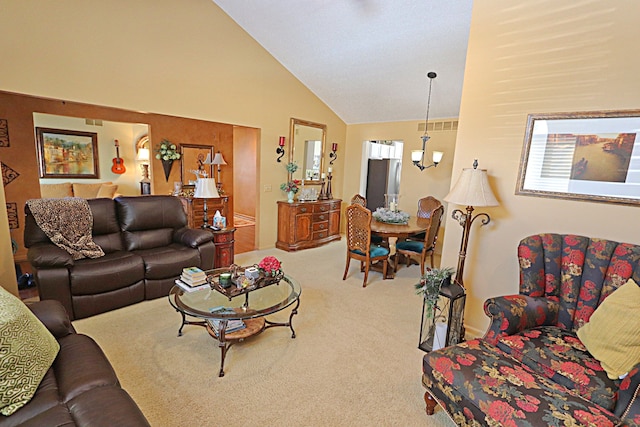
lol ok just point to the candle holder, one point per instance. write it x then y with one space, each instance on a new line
280 149
328 194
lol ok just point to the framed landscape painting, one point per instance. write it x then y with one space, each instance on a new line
67 153
591 156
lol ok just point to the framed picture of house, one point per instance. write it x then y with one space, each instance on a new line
593 156
67 153
193 160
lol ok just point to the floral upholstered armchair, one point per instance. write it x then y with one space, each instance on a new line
564 351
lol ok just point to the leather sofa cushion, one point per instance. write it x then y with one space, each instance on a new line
168 261
80 366
107 273
88 409
150 212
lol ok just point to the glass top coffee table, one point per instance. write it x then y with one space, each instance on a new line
221 313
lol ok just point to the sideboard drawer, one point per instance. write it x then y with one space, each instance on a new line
320 217
319 226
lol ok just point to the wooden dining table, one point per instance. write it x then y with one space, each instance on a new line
386 230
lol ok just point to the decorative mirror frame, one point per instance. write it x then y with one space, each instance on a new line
292 146
192 157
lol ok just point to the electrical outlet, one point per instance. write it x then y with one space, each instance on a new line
267 188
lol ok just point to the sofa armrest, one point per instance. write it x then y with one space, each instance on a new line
54 317
192 237
47 255
628 401
514 313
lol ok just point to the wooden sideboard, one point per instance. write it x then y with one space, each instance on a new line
222 239
303 225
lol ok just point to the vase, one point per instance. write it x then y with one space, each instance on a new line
290 196
166 165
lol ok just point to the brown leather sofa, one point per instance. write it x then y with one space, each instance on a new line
146 244
81 388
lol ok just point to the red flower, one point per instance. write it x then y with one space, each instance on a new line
504 413
621 268
524 252
445 366
468 414
533 333
528 403
584 417
575 257
593 364
575 372
269 264
466 359
587 292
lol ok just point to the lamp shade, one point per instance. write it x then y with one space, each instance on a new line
437 156
472 189
143 154
218 159
207 161
416 155
206 189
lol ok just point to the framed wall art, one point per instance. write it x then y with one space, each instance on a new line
592 156
67 153
193 158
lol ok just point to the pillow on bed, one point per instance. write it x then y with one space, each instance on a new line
612 334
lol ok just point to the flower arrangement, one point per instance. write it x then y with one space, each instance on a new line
430 284
167 151
290 186
391 217
270 265
291 167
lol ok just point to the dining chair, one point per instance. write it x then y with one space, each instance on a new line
359 245
362 201
359 199
426 206
422 248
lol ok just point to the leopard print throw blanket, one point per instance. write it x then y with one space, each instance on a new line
67 223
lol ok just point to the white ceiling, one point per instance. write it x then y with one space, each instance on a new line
366 59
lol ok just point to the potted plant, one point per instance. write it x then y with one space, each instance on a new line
290 187
430 284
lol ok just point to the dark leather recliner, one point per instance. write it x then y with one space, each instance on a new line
146 244
80 388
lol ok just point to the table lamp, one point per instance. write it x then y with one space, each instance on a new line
218 160
206 189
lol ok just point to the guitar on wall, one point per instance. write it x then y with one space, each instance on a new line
118 163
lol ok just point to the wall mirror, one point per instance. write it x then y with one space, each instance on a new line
306 149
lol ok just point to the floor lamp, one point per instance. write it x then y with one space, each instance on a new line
206 189
471 190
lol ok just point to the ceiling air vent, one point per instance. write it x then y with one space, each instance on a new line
440 126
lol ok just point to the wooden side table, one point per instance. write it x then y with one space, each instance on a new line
223 241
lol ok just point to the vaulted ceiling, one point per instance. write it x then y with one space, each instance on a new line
366 59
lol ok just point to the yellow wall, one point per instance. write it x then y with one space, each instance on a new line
172 57
536 57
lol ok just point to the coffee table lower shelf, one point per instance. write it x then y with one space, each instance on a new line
252 327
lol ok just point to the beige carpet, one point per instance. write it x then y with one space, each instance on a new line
354 362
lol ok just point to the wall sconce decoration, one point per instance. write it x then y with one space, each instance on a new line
417 156
471 189
333 156
280 149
